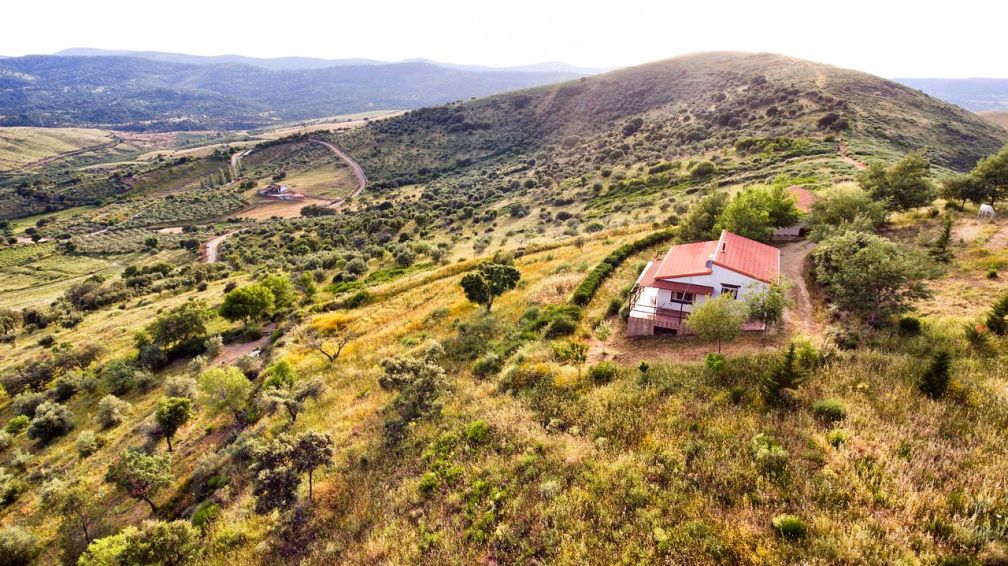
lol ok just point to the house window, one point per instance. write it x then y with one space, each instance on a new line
682 297
730 290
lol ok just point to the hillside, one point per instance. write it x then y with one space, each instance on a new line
194 372
972 94
687 106
139 94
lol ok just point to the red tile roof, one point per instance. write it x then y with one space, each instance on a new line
804 199
730 251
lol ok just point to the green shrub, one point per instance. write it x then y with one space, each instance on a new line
586 290
205 513
829 410
910 326
51 420
18 546
789 527
87 443
26 403
10 488
487 366
112 411
603 372
714 361
428 483
934 382
119 375
17 424
478 432
6 440
771 459
737 394
836 437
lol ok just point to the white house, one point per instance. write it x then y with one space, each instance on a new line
804 199
668 289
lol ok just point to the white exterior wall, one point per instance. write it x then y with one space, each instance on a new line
718 276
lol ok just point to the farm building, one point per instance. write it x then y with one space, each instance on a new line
804 199
279 192
668 289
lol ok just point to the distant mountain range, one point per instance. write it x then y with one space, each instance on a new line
145 94
303 63
972 94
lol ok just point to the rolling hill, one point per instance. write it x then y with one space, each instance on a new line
131 93
683 108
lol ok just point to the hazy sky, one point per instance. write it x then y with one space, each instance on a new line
961 38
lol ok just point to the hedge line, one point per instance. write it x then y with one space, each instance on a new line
587 289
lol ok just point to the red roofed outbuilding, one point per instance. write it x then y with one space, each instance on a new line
804 199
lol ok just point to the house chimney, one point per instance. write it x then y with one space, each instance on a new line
724 247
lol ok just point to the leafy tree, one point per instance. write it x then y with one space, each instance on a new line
767 305
119 375
51 420
844 208
418 381
283 291
701 219
870 276
226 389
756 212
963 188
995 320
83 510
141 475
313 449
248 303
180 325
988 181
174 543
292 398
902 186
275 478
489 281
718 319
171 414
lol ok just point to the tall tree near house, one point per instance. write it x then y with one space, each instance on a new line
869 276
718 319
767 305
489 281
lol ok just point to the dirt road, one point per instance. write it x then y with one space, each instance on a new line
800 317
211 249
355 168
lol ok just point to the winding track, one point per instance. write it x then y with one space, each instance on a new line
211 251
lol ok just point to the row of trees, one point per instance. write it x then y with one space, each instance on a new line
986 183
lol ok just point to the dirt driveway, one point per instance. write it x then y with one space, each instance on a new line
801 316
